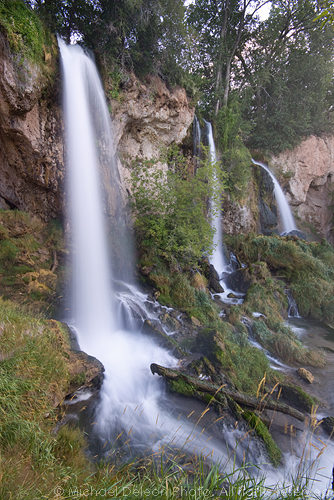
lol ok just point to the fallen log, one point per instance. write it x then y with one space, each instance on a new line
238 397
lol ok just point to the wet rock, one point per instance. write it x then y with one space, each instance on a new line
327 425
268 219
294 395
171 322
239 280
305 375
152 329
296 234
213 279
211 344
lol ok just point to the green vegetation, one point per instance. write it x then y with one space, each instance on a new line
170 207
236 159
36 373
308 269
30 253
26 33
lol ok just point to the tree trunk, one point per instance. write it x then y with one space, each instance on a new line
238 397
227 82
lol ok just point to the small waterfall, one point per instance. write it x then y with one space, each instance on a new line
286 217
217 258
196 137
292 305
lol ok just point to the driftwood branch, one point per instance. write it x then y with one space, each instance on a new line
238 397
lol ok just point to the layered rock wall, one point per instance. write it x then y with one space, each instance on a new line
147 118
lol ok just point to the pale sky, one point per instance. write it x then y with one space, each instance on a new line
263 12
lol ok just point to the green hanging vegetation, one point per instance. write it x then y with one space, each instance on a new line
171 205
26 33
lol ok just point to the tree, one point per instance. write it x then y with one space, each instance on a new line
326 12
224 27
141 35
171 206
286 77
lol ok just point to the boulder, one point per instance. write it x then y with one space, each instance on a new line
239 280
152 329
213 278
305 375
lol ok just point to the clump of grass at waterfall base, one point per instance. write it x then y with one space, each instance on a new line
36 372
26 33
31 255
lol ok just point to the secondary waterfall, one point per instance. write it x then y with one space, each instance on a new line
286 217
217 258
196 137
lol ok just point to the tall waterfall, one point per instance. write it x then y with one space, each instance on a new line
286 217
92 304
126 355
217 258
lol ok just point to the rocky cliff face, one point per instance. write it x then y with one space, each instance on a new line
308 173
31 149
146 118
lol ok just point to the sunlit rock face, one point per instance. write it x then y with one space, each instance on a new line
147 118
31 147
308 172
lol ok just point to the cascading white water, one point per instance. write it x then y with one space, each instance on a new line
217 259
286 217
126 357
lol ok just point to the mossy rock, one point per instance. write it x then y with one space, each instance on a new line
298 398
32 260
263 433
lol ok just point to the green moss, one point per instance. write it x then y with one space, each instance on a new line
295 395
261 430
8 253
182 387
25 31
229 351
